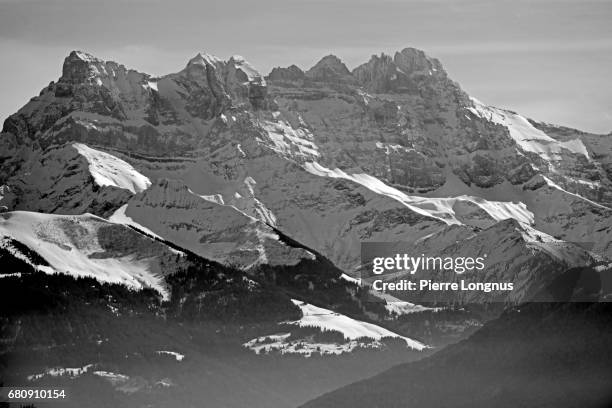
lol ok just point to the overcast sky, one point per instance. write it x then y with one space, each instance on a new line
547 59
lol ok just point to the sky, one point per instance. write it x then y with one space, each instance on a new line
550 60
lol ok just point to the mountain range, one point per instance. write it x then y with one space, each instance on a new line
224 210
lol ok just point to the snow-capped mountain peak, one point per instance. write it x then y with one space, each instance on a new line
394 151
205 59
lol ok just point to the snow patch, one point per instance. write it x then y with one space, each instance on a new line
111 377
351 329
348 278
552 184
11 275
527 136
441 208
213 198
397 307
305 347
288 141
4 189
177 356
239 148
108 170
252 74
391 147
61 372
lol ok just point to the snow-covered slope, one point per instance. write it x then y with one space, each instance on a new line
355 334
86 245
450 210
527 136
108 170
313 316
557 212
397 307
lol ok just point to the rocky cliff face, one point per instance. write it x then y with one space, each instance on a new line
209 227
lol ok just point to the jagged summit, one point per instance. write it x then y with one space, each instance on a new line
413 59
235 68
291 73
237 58
204 59
80 66
78 58
329 68
331 61
245 71
407 70
82 56
82 70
